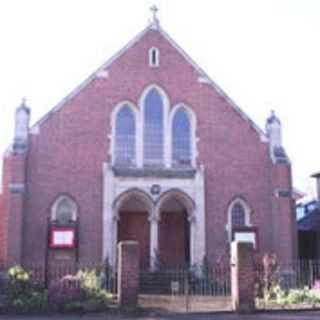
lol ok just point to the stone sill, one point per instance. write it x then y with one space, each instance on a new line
183 173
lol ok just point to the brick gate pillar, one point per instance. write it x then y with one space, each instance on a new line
128 273
242 277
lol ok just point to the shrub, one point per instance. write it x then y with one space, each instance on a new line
90 281
66 290
23 293
34 301
19 281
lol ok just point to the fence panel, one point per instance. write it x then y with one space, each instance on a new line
289 285
183 289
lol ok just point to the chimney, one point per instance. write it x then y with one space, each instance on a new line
274 133
21 130
317 177
273 129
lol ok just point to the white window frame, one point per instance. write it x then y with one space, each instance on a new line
193 120
166 106
168 116
114 115
247 215
55 206
153 64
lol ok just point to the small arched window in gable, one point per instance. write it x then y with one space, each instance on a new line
64 210
181 139
154 57
125 137
153 128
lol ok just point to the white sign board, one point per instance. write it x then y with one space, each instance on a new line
63 238
245 237
174 287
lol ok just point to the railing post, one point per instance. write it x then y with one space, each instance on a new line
311 273
128 273
242 277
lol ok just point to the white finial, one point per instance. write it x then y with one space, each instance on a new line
154 9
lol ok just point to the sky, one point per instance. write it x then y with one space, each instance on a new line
265 54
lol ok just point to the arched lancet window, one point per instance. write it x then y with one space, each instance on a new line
64 210
153 129
125 137
238 216
181 139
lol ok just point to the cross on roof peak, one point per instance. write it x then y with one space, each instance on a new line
154 9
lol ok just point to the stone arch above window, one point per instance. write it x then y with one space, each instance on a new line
154 128
124 136
64 210
133 193
239 215
181 197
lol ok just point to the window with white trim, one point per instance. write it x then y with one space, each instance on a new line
153 135
64 210
181 139
125 137
238 216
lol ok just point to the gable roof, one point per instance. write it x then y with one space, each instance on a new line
310 222
203 78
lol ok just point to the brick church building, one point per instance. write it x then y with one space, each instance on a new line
148 148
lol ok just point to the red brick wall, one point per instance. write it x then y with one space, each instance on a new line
67 155
284 227
4 215
2 229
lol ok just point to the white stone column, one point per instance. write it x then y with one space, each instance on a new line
193 239
108 223
114 240
154 240
199 226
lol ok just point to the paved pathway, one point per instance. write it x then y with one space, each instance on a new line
230 316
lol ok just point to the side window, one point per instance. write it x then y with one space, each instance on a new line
64 210
181 139
125 137
238 216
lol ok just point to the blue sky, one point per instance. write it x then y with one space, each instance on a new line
265 54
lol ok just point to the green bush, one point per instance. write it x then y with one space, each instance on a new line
90 281
24 295
295 296
80 292
19 281
34 301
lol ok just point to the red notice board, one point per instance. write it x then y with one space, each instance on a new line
62 238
